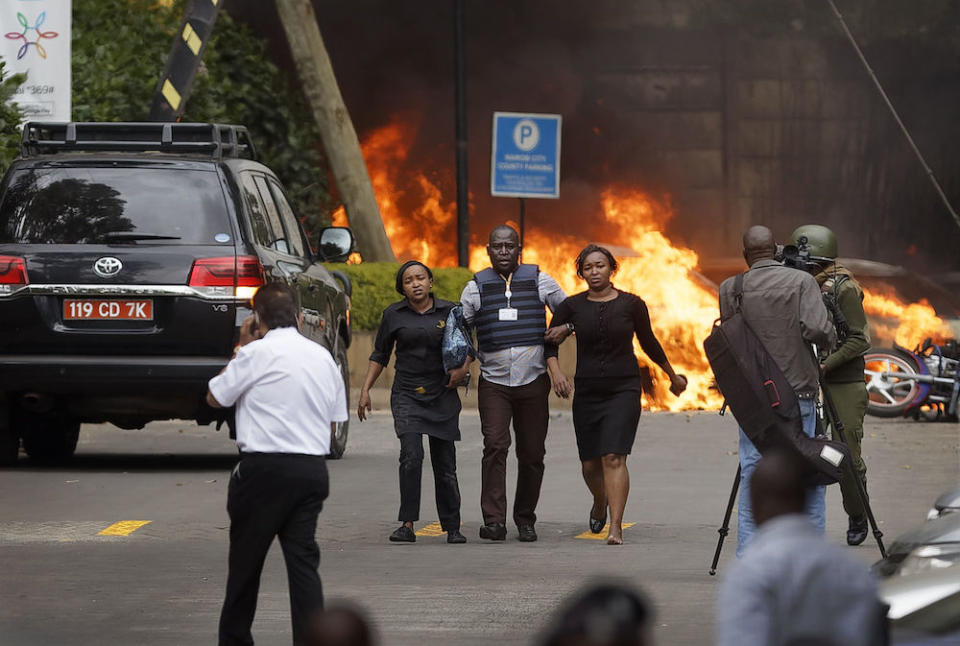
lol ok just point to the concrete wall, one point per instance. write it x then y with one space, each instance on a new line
740 130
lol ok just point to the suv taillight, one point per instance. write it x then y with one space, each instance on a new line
243 273
13 274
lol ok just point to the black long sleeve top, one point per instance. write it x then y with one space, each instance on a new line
605 331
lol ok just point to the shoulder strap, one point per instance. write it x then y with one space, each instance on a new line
738 291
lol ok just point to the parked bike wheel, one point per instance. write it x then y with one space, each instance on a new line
890 394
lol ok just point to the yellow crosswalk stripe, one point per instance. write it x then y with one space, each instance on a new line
123 528
602 536
433 529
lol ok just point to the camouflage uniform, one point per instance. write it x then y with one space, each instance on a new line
843 376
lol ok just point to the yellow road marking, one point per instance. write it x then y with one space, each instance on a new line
123 528
433 529
602 536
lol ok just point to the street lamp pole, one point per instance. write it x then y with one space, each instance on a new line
463 197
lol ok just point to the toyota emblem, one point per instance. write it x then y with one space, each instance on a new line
107 266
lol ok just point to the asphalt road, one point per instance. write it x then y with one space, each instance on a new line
162 582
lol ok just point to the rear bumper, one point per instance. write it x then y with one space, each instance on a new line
72 374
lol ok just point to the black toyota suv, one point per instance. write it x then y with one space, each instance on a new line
128 256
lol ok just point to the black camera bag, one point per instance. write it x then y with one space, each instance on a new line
760 397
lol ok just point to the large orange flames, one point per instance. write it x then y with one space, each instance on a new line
422 225
910 323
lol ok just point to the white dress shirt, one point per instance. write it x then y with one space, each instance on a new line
518 365
288 390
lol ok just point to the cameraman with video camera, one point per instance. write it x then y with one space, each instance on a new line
842 366
784 310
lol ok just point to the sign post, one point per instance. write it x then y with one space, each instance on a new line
525 157
36 41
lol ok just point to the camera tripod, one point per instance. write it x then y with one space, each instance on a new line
834 420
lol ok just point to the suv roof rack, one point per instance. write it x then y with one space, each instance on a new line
213 139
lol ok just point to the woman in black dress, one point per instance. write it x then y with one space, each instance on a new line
424 399
606 397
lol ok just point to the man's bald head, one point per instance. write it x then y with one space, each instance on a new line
504 230
758 244
778 486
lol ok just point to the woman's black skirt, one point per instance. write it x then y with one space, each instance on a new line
606 412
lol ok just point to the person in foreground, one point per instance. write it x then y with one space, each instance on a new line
784 309
424 399
607 392
342 625
606 614
288 392
791 586
505 302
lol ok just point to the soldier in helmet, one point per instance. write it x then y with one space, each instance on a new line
843 367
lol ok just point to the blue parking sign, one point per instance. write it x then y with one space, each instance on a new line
525 160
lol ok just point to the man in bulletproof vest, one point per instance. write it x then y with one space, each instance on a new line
843 366
784 309
505 303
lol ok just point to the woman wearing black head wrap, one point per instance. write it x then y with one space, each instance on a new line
424 399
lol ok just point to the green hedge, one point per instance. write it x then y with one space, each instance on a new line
373 288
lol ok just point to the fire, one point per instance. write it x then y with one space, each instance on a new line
914 321
419 222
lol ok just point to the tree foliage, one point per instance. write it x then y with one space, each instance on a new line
9 116
120 48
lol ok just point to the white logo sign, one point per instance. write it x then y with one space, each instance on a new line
107 266
526 135
35 39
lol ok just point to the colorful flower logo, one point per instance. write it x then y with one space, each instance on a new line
22 35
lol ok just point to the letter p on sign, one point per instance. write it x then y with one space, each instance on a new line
526 135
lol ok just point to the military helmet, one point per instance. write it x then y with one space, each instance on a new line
821 241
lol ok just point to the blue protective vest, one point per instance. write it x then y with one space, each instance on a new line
531 324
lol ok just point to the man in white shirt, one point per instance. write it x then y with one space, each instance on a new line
288 391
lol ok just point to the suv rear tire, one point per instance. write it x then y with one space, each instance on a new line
338 435
46 438
9 442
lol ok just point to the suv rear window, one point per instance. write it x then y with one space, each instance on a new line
97 205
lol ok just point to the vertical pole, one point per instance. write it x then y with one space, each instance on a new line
523 213
463 197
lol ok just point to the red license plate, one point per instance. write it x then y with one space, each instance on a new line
89 309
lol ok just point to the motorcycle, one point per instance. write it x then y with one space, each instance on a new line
924 382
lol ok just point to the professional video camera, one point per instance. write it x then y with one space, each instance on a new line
796 256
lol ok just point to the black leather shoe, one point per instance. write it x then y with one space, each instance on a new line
403 534
494 532
857 531
454 536
527 534
597 524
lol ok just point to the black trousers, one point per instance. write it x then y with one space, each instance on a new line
443 457
273 494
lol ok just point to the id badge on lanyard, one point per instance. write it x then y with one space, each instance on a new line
508 313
